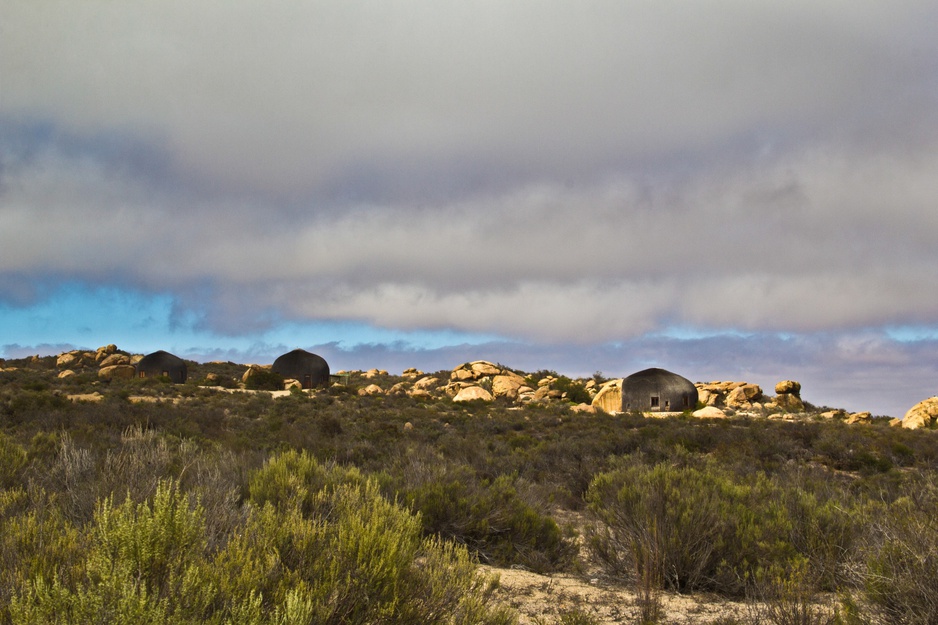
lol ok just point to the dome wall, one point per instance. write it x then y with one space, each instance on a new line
309 369
658 390
162 363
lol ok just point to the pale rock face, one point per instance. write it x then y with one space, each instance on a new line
507 385
789 402
398 389
119 372
115 359
707 397
788 386
583 408
420 393
859 417
371 389
471 393
70 359
290 384
66 374
834 414
251 371
483 368
609 397
741 396
462 375
921 414
709 412
426 383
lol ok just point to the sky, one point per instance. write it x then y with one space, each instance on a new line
730 189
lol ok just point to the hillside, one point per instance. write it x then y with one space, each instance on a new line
588 516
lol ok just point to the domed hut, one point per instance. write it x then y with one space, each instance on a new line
308 369
657 390
163 364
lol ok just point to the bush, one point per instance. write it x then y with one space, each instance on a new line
339 554
710 529
489 517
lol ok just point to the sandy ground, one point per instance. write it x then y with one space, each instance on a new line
542 599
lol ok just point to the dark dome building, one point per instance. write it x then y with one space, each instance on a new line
657 390
163 364
308 369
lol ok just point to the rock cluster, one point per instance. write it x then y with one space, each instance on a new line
108 360
479 380
922 414
746 397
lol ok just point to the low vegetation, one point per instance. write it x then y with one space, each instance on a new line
164 503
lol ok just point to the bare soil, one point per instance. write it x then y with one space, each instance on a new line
543 599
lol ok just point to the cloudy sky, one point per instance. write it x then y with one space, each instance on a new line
732 189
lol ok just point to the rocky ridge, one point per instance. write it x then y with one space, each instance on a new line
485 381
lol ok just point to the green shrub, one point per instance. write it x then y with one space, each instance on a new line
489 517
264 380
711 529
901 578
12 461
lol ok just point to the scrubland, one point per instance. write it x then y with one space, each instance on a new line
202 506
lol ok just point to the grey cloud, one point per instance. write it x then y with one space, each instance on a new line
282 96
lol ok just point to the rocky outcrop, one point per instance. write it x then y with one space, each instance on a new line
743 396
371 389
117 372
789 402
609 397
253 370
471 393
921 415
862 418
735 395
506 384
788 387
709 412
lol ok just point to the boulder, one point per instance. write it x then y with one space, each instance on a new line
471 393
290 384
67 373
609 397
96 396
834 414
425 384
707 397
371 389
400 388
117 372
483 368
860 417
419 393
789 402
115 359
788 386
252 370
709 412
462 375
742 395
507 385
103 352
68 360
922 414
587 408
